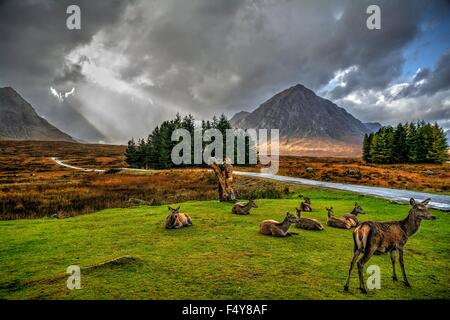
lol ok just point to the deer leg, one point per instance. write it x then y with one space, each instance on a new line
367 255
355 257
394 275
402 266
278 233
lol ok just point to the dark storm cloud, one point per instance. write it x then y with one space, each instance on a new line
265 48
202 56
428 82
439 79
35 40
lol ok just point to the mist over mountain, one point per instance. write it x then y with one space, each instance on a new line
299 113
19 120
79 126
373 126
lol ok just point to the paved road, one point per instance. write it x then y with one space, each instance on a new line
438 201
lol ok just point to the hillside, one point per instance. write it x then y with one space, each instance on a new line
299 113
19 121
309 124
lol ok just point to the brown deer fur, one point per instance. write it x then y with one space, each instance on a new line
176 220
307 224
353 215
334 222
306 205
241 208
381 237
277 229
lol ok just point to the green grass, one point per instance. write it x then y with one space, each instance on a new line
221 257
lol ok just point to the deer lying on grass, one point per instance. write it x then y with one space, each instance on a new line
334 222
307 224
277 229
306 205
353 215
176 220
372 238
243 208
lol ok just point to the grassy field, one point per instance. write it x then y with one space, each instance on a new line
221 257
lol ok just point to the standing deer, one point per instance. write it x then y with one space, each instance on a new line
334 222
176 220
353 215
372 238
307 224
277 229
241 208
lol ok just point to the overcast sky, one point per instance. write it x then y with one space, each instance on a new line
135 63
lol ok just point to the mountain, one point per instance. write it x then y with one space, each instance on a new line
309 125
299 113
373 126
19 121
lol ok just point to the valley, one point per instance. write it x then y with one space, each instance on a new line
34 186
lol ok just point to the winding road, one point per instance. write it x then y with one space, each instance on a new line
438 201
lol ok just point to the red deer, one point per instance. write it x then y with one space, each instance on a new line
334 222
372 238
306 205
307 224
277 229
353 215
176 220
241 208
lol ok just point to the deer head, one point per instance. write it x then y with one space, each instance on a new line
358 209
420 210
252 204
174 212
291 218
330 212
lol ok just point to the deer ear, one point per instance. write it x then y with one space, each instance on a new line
426 201
412 202
356 204
169 208
178 208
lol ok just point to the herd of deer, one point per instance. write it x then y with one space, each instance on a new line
369 237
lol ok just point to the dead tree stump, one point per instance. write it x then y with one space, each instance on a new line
224 174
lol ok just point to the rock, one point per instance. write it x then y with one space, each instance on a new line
309 170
